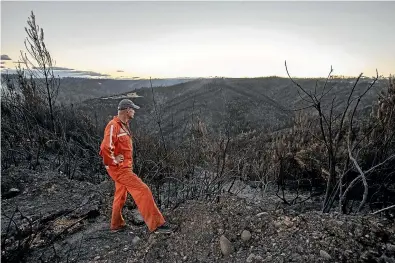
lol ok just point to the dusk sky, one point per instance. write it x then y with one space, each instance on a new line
202 39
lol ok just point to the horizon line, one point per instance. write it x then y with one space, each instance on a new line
208 77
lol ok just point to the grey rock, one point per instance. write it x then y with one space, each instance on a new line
277 224
391 248
368 256
279 211
11 193
386 259
262 214
325 254
226 246
288 223
136 240
250 258
300 249
296 257
137 219
269 259
254 258
246 235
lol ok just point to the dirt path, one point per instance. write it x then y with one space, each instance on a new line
75 215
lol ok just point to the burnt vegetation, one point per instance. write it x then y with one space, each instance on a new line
334 144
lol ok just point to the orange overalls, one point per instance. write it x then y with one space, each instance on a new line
118 140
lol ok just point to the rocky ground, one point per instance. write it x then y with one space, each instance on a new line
71 222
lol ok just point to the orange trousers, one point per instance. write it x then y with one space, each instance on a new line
127 181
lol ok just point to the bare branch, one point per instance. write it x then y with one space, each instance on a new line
356 180
326 82
345 113
384 209
361 175
304 108
297 84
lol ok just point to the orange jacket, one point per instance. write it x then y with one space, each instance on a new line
117 140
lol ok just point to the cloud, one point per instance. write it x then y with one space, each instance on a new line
66 72
120 71
89 73
5 57
55 68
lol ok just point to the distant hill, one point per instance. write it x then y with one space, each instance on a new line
258 103
74 90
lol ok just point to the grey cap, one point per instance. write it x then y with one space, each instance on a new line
125 104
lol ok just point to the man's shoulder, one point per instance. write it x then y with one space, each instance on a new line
113 122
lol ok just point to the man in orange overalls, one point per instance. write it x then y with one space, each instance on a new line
117 152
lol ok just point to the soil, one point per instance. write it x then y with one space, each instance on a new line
71 219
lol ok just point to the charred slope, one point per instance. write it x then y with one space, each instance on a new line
260 103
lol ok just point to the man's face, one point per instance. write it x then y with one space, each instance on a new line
130 113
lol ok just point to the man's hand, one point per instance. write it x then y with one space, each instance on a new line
119 158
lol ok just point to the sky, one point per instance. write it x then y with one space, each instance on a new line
203 39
